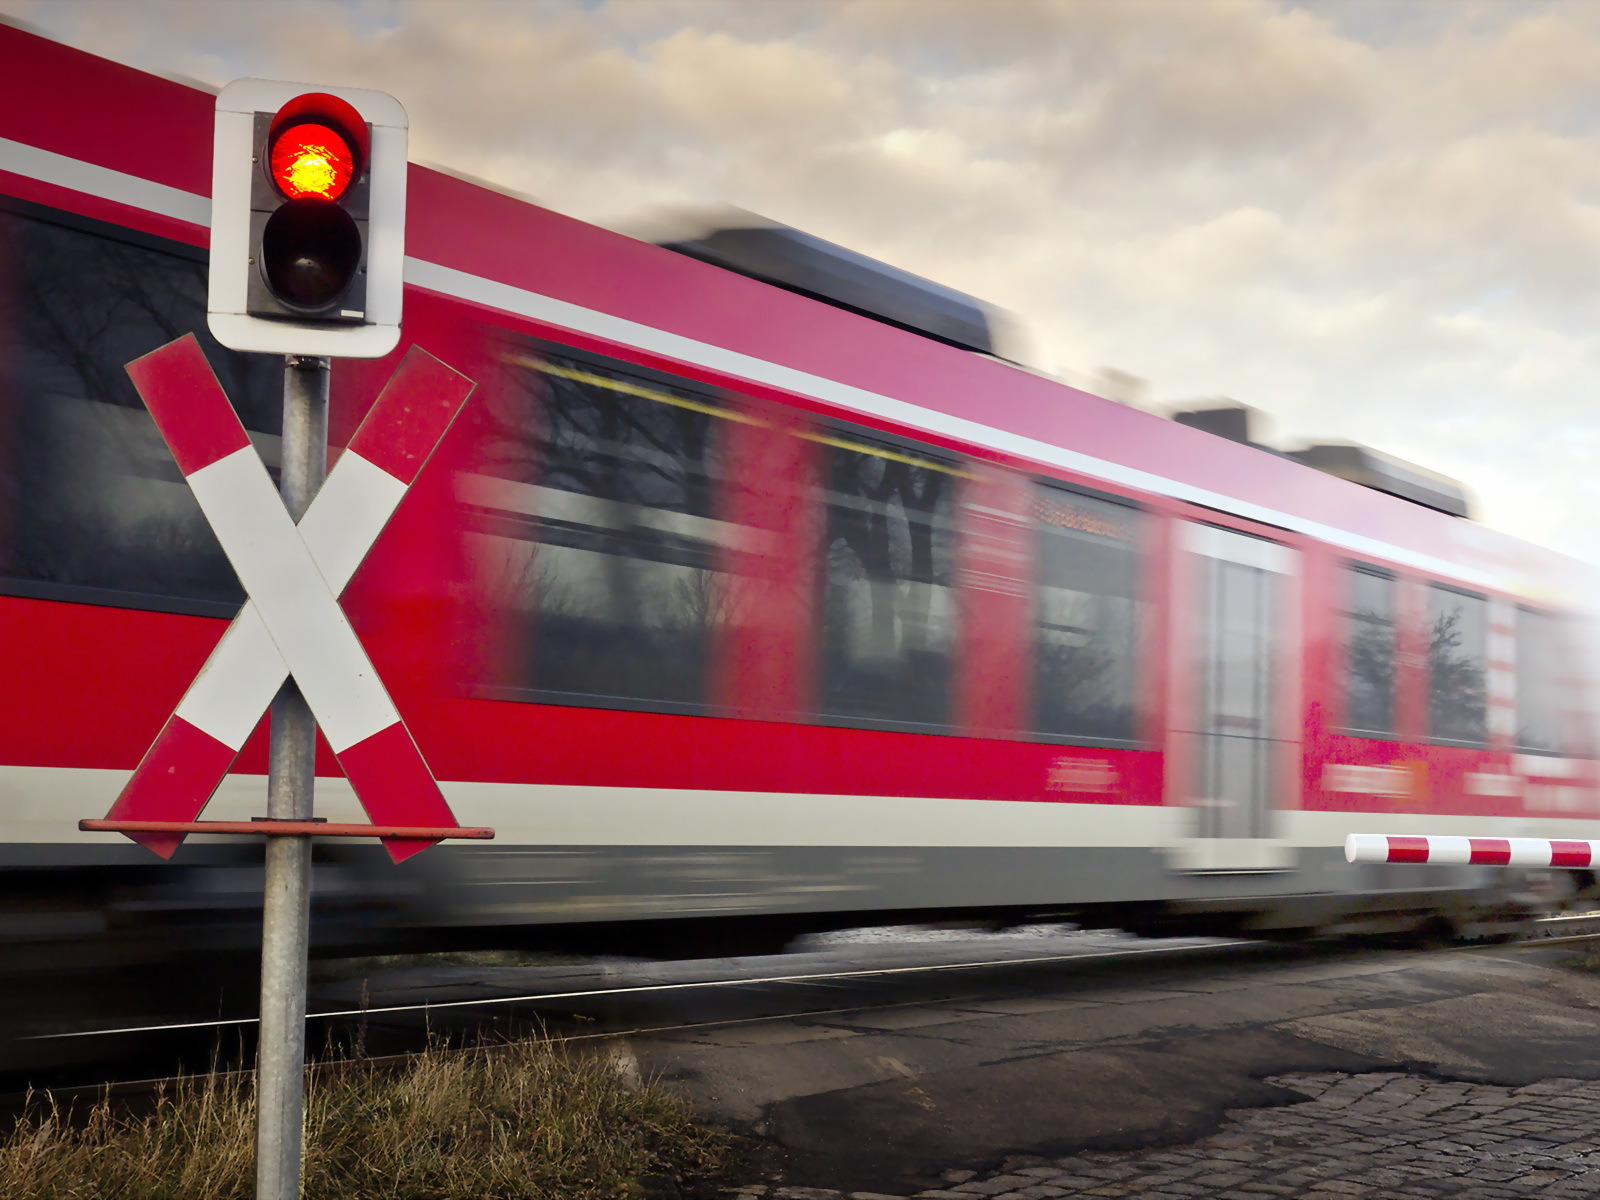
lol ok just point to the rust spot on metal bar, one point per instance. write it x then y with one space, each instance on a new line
289 828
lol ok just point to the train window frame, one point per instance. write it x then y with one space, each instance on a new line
92 594
826 431
508 345
1346 728
1147 617
1434 586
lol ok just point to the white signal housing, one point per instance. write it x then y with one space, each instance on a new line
234 175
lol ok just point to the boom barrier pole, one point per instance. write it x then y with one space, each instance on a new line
1473 851
291 785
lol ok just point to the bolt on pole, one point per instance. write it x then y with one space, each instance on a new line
291 782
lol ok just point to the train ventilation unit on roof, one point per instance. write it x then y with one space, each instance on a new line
1359 464
799 262
1382 473
1225 419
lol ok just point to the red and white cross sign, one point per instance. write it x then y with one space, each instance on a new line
292 623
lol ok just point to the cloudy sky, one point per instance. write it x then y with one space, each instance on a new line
1373 220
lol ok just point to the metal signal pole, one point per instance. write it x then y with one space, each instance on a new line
291 783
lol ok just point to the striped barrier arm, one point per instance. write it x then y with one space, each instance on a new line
1477 851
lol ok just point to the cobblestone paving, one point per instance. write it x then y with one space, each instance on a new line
1376 1135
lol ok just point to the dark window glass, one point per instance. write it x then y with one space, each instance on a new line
886 595
597 506
93 506
1088 615
1369 634
1458 628
1550 717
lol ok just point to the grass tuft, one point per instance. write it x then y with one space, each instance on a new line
517 1121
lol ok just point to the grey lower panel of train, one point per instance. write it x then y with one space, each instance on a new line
563 884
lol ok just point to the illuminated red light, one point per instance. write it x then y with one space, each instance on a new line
312 160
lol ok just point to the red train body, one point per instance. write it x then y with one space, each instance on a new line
725 604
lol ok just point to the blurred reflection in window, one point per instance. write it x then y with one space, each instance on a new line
602 544
886 598
1457 659
93 505
1551 712
1088 616
1370 646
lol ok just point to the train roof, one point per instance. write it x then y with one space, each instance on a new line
107 140
806 264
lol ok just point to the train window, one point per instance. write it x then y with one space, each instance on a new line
1458 631
1550 704
887 610
1087 615
93 506
602 542
1370 651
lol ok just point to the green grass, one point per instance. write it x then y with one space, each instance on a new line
501 1122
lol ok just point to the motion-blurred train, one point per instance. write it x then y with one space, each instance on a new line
754 593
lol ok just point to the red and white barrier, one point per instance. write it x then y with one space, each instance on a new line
292 622
1477 851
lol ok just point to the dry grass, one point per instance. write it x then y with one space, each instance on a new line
522 1120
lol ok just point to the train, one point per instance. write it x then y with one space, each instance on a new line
756 592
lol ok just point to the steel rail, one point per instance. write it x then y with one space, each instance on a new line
796 978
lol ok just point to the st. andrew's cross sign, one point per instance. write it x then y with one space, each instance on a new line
292 623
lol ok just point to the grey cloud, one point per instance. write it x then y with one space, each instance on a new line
1370 221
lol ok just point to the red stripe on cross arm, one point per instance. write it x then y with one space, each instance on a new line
394 785
1494 852
1408 849
411 414
191 410
173 782
1571 854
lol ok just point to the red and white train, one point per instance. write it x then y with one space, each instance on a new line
735 606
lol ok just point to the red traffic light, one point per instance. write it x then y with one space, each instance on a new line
307 220
310 248
317 146
311 159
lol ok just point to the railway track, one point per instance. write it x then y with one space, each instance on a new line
796 978
1574 927
596 999
612 1000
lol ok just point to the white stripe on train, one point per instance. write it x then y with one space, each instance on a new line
43 804
122 188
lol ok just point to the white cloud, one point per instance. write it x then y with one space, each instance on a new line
1377 221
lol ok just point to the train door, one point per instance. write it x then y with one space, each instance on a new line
1234 749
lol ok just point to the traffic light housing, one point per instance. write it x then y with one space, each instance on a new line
308 220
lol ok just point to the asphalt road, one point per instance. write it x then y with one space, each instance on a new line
1058 1061
874 1073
